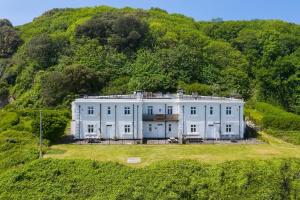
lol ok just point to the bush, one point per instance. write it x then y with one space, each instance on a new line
9 39
42 49
82 179
277 118
53 124
16 148
281 122
8 119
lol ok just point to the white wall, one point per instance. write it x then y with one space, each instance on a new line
207 125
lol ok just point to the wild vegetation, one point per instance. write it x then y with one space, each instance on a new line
69 179
103 50
275 121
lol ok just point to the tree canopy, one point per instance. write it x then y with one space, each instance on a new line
103 50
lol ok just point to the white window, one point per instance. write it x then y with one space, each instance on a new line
228 110
90 128
127 128
108 110
150 110
170 127
211 110
90 110
228 128
150 127
193 110
127 110
170 110
193 128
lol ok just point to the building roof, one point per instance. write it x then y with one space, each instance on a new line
156 97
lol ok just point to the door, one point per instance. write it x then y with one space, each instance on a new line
109 132
210 132
159 131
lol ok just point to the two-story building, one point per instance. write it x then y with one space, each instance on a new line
157 116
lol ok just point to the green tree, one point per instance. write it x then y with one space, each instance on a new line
54 125
42 49
9 39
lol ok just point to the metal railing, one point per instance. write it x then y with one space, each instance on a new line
160 117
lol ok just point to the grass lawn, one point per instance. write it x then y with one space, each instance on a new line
208 153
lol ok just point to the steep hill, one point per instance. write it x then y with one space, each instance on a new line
103 50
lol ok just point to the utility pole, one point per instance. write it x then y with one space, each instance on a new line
41 135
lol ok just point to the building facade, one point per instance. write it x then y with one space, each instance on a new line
157 116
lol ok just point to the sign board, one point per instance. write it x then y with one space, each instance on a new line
133 160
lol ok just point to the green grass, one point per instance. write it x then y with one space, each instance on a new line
206 153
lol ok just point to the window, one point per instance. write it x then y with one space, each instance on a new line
150 127
127 128
193 128
90 128
228 110
170 110
193 110
211 110
127 111
170 127
150 110
108 110
228 128
90 110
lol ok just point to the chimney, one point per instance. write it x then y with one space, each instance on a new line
180 94
138 94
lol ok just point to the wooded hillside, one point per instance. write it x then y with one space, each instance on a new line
103 50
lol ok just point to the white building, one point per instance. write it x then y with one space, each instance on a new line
157 116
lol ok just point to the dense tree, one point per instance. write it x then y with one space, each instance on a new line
152 50
54 125
9 39
4 93
5 22
118 30
74 79
42 49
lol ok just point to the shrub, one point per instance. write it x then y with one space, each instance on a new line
277 118
16 148
42 49
53 124
8 119
9 41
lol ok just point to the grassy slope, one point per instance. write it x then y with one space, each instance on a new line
257 113
208 153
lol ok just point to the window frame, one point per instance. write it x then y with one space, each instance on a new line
150 128
127 110
193 110
170 110
91 110
170 127
228 110
211 110
150 108
127 129
91 128
228 128
193 128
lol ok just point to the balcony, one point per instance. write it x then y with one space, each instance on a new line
160 117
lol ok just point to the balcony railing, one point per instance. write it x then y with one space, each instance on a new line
160 117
